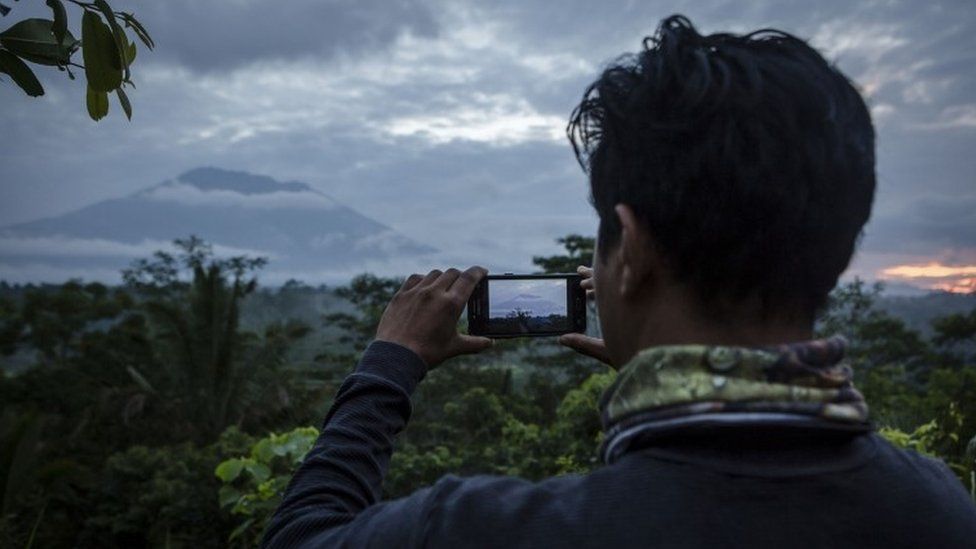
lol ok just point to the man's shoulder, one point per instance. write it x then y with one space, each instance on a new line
461 489
485 506
921 472
911 460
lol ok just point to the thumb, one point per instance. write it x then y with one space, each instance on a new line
472 344
589 346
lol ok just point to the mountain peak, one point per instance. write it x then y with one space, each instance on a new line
304 232
218 179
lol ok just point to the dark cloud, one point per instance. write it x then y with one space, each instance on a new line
934 224
225 34
217 35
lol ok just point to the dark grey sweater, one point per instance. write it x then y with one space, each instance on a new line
726 488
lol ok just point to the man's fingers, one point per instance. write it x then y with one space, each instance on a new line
587 274
430 278
447 279
466 344
411 281
465 283
589 346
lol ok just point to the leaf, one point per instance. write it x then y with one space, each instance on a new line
117 34
229 470
97 104
228 495
241 529
124 101
259 471
267 490
280 448
4 9
60 26
262 451
103 67
20 73
130 52
33 40
135 25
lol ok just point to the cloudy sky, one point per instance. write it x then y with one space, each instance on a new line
445 119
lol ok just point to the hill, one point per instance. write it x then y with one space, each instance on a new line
304 232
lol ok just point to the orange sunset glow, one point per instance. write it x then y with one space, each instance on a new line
959 279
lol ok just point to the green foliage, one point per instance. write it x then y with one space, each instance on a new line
106 51
21 74
939 438
485 430
369 294
252 486
153 494
20 448
955 329
922 396
54 323
923 439
140 367
34 40
158 399
219 372
162 496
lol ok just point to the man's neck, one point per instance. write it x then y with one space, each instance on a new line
672 324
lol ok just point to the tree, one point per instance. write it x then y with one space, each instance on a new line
53 321
369 294
29 478
579 251
106 50
211 369
956 329
11 326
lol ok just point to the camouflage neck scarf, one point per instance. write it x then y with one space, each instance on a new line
676 387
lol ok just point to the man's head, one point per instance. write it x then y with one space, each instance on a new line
736 171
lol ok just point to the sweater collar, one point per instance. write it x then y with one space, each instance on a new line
676 387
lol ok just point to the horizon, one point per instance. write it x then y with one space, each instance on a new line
917 279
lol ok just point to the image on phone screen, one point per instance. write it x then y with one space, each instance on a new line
527 306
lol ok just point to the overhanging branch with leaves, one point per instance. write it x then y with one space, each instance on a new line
106 50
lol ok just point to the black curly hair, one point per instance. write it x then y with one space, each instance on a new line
749 158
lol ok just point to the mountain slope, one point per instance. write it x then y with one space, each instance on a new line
533 304
301 230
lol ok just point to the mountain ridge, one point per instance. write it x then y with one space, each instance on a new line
532 304
301 229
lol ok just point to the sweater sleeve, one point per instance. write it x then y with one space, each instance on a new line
333 498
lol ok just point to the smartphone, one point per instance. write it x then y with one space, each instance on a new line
511 305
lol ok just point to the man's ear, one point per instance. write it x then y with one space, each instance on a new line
635 251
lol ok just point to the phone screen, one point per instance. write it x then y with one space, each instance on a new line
527 306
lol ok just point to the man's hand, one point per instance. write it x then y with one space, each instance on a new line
583 344
423 315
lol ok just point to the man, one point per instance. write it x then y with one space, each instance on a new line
732 176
